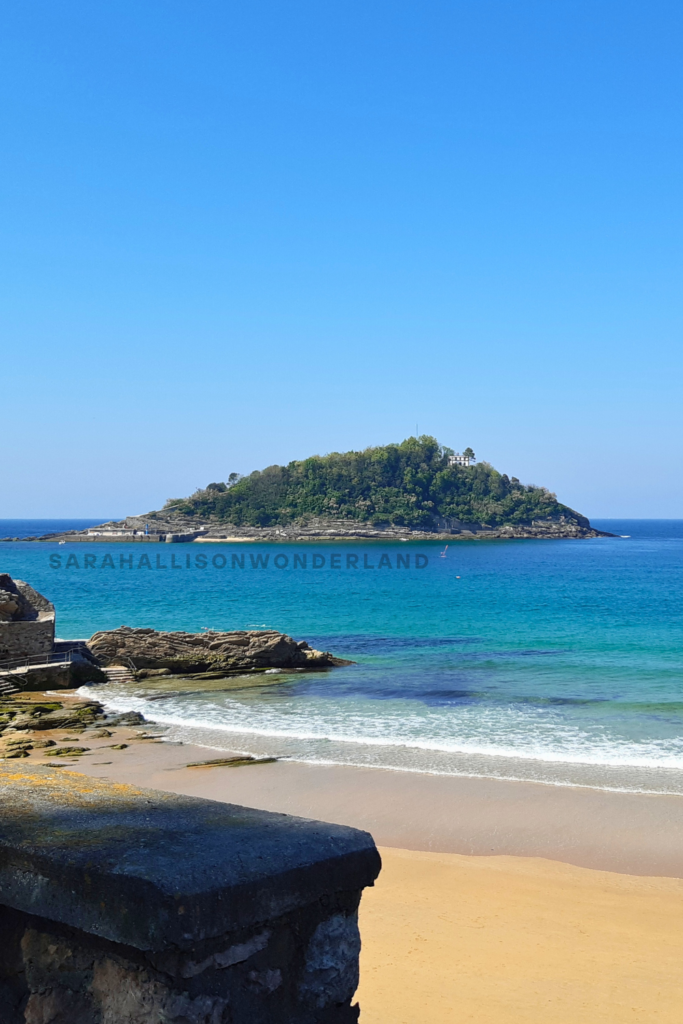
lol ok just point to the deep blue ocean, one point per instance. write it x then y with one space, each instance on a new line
559 661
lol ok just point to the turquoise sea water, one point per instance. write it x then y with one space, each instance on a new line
39 527
559 661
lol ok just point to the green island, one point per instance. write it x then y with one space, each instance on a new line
416 490
418 484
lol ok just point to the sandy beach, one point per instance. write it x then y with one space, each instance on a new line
499 902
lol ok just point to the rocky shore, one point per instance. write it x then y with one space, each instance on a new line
37 723
60 730
174 527
343 529
42 725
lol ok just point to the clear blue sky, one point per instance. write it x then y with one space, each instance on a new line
234 234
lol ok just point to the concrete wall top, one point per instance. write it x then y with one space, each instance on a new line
158 871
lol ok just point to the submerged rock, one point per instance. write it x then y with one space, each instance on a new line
210 651
232 762
127 718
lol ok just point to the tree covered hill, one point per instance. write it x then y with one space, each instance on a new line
409 484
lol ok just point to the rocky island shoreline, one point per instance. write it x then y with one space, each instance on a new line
166 528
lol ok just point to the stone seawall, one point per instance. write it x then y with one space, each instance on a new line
27 620
26 638
130 906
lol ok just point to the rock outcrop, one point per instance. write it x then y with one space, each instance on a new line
239 650
21 603
21 714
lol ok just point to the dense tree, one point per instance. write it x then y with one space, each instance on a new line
407 484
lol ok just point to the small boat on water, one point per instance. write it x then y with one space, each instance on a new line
442 554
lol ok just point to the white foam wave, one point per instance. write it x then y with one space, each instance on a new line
317 742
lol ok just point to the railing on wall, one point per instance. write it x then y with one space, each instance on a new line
38 659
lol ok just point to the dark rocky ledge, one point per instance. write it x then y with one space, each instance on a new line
133 906
176 528
210 651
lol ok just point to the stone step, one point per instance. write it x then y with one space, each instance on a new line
118 674
7 687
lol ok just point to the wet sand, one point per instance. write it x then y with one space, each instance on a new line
498 903
625 832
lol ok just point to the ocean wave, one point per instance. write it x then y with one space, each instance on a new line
559 757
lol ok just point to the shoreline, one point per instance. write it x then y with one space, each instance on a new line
631 833
504 902
332 538
404 757
133 531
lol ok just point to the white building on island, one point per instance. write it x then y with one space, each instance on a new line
460 460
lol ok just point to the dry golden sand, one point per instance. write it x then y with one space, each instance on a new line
449 939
